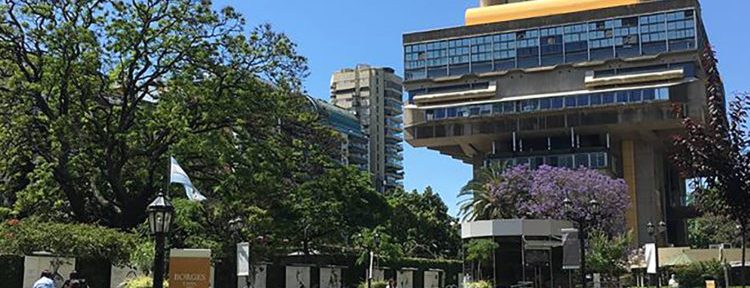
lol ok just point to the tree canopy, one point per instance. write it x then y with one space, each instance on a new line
520 192
421 225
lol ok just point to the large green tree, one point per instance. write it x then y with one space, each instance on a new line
96 94
716 152
420 223
712 229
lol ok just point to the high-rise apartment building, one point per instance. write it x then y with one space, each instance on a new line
374 95
565 83
354 142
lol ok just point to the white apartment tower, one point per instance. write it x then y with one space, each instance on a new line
375 97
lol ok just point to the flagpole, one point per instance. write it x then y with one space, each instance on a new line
167 176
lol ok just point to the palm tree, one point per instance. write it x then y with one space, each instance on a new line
481 201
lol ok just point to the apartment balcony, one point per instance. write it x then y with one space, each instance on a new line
358 159
393 165
362 148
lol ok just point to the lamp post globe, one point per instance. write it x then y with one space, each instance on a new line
160 213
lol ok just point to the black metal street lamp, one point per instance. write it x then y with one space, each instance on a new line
160 221
655 233
584 221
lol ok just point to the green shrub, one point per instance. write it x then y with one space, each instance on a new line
694 275
375 284
479 284
23 237
142 282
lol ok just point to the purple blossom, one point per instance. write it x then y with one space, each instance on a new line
540 194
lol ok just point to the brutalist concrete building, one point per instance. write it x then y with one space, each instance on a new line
565 83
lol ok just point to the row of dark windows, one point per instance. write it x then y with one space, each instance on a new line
593 160
596 40
551 103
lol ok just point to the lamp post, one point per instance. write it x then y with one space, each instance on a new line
160 221
655 233
584 221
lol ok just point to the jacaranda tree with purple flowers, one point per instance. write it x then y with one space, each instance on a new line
520 192
550 187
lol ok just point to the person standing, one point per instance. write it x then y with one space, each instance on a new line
75 281
45 281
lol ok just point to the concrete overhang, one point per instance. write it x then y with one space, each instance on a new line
649 77
549 95
488 92
513 228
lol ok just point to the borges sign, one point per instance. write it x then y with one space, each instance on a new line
189 268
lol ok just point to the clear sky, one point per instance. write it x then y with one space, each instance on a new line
335 34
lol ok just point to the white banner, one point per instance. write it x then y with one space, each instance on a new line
405 279
243 259
650 249
330 278
431 279
59 267
297 277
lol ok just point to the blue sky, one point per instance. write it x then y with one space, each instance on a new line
334 34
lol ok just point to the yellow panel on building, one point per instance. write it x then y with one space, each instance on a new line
537 8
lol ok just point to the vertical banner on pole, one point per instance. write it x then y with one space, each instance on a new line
571 251
243 259
190 268
650 254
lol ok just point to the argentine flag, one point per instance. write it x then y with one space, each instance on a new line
177 175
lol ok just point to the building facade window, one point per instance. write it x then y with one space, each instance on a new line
681 30
576 43
551 43
572 43
459 55
504 51
481 55
527 44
